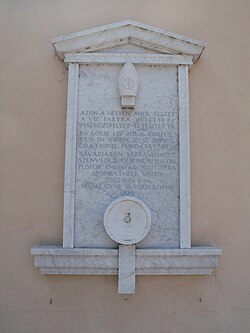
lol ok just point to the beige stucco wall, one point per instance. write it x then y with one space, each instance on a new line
32 133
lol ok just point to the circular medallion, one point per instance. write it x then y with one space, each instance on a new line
127 220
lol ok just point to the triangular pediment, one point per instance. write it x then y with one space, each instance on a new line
116 35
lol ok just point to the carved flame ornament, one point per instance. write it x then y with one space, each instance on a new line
128 82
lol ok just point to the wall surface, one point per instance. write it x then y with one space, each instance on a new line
32 133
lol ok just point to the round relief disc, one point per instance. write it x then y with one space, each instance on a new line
127 220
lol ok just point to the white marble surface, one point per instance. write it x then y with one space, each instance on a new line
128 82
184 151
126 269
112 153
57 260
128 32
121 58
131 153
127 220
70 157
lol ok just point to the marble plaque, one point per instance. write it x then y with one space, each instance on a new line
127 143
127 152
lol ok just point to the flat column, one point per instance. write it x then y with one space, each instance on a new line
70 158
184 141
126 269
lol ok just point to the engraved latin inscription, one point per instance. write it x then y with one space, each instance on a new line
131 151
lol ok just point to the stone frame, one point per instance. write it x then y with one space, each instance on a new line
171 50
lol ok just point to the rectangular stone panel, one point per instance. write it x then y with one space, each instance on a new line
127 153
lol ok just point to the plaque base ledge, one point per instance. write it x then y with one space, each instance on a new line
198 260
